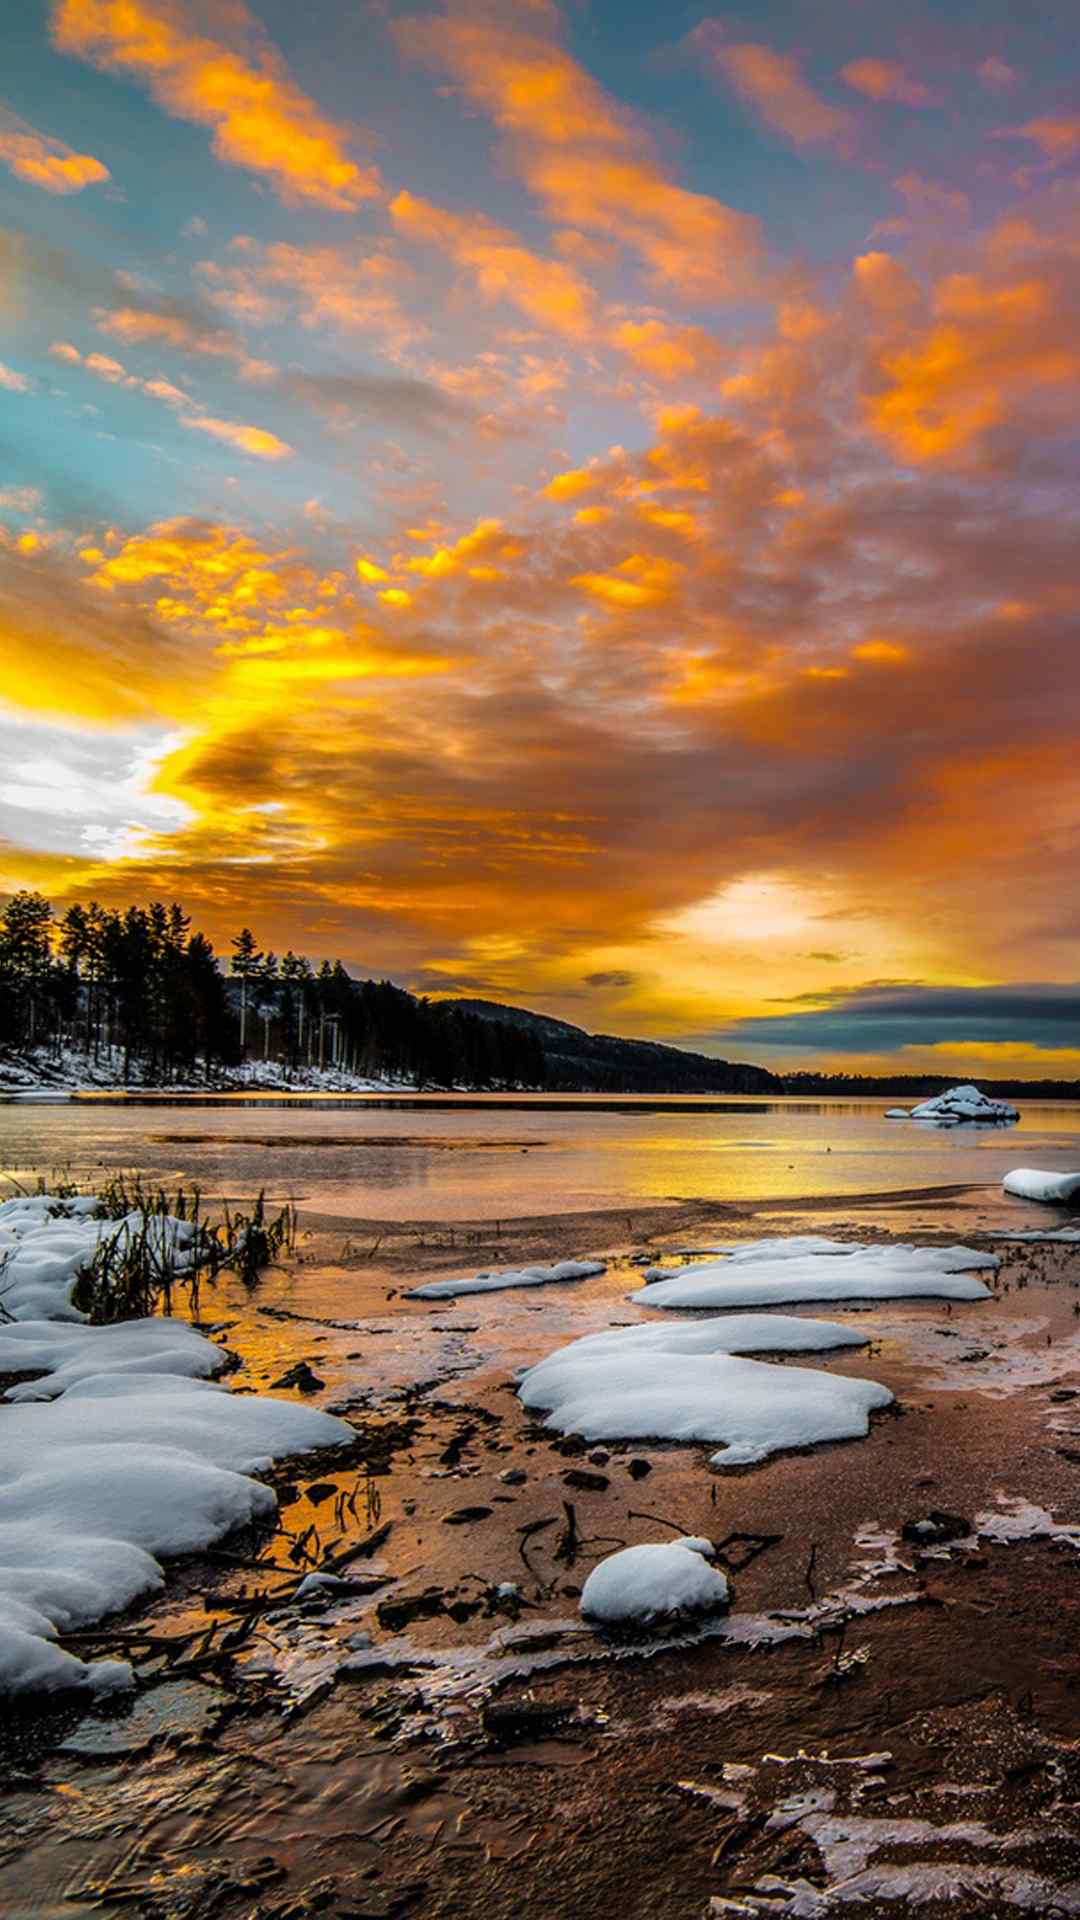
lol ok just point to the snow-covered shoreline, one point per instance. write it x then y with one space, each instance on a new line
47 1076
121 1450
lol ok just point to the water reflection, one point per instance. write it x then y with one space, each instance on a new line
465 1157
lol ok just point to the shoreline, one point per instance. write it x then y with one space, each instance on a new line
460 1761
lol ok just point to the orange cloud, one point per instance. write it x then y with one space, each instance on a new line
11 381
585 158
349 291
991 348
1058 138
261 119
641 580
773 84
547 291
885 80
140 326
254 440
670 353
45 162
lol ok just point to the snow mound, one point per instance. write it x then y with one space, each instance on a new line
498 1282
683 1383
965 1104
1054 1189
648 1583
46 1242
123 1451
770 1273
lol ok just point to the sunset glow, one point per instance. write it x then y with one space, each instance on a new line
574 506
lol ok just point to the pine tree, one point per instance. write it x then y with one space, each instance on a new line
244 966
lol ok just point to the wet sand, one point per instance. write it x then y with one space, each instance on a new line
489 1756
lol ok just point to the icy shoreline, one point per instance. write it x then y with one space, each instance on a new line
121 1450
46 1076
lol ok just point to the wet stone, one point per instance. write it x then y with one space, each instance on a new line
936 1529
586 1482
301 1377
176 1710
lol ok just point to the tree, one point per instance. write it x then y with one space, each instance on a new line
244 966
266 992
26 958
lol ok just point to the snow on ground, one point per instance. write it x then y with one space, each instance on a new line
672 1382
122 1452
1014 1518
957 1107
768 1273
46 1242
41 1073
499 1282
1054 1189
1060 1236
646 1583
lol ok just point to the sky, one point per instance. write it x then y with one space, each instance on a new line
571 505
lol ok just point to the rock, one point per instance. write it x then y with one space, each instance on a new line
395 1614
585 1481
464 1516
637 1469
320 1490
301 1377
514 1477
570 1447
599 1457
508 1724
937 1528
177 1710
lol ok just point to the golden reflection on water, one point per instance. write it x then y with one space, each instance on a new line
470 1158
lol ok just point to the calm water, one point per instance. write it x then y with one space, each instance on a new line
454 1159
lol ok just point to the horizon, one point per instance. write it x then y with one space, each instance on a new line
573 505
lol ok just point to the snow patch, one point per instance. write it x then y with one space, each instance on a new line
767 1273
682 1383
499 1282
654 1582
1053 1189
122 1452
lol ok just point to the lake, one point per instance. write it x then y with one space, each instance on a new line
446 1157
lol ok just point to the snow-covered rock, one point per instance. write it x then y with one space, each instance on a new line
122 1452
1054 1189
770 1273
648 1583
897 1113
965 1104
677 1382
499 1282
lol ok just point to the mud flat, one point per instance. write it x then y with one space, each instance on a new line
431 1727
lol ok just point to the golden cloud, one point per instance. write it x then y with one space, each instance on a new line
546 291
261 119
44 161
587 160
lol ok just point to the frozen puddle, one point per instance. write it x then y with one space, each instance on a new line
806 1268
859 1855
684 1383
508 1278
123 1452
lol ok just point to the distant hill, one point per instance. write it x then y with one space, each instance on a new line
576 1061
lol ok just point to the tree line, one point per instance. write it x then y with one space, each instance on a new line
136 988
